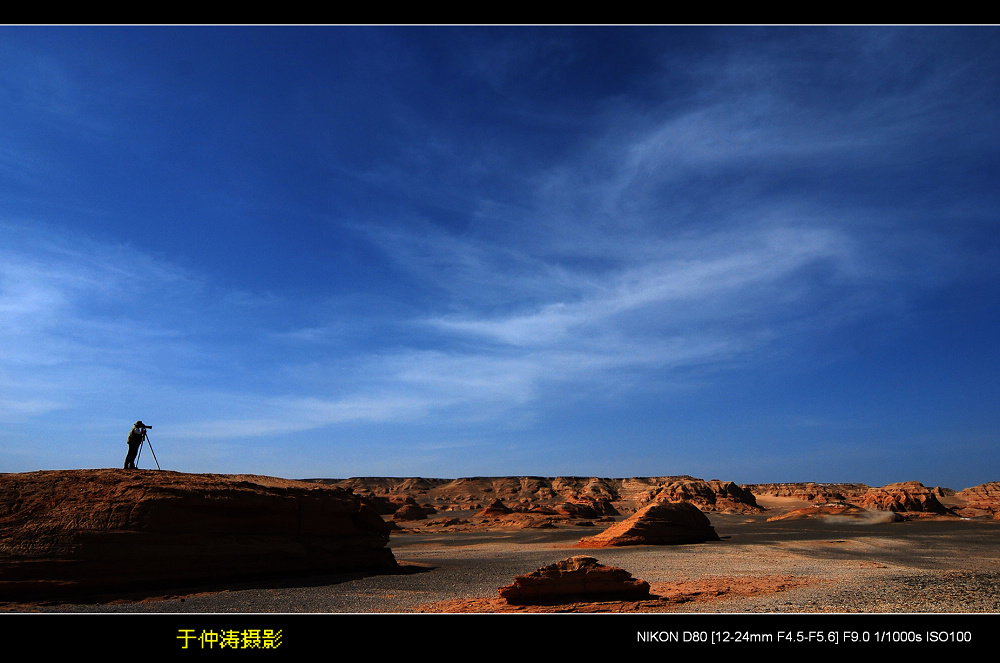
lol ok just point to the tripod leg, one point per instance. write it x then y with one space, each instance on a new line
152 452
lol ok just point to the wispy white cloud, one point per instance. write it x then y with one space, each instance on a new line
67 299
696 280
284 415
84 323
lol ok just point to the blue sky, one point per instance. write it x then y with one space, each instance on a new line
748 253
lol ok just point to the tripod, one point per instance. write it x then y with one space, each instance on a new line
145 438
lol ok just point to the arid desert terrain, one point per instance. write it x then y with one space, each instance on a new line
786 548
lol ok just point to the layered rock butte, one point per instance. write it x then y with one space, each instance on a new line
981 500
660 523
577 578
76 531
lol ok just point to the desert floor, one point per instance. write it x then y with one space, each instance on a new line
844 566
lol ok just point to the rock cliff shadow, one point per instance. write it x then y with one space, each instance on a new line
154 591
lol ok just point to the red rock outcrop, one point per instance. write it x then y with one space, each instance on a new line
578 578
661 523
910 497
981 500
811 492
837 510
713 495
409 512
516 520
91 530
731 498
496 508
577 510
529 493
989 492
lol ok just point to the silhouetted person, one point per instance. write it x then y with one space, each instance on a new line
135 439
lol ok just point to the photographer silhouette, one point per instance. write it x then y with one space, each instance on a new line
135 439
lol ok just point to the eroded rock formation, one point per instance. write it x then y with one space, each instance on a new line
818 493
661 523
567 496
838 510
496 508
579 578
981 500
983 492
91 530
409 512
910 497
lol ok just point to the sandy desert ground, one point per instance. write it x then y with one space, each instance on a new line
793 566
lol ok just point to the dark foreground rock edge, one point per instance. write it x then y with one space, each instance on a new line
74 532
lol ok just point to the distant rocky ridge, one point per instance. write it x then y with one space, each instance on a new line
810 491
568 496
92 530
532 501
908 499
